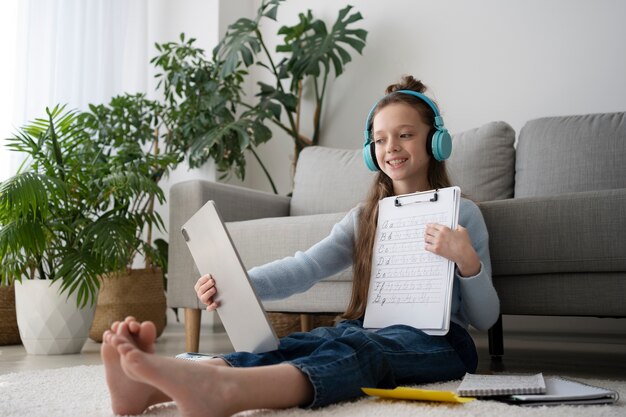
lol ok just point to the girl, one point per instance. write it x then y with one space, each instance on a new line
331 364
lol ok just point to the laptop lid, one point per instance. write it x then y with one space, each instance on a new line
240 310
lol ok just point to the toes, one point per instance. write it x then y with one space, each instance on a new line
146 336
134 327
148 330
115 325
121 328
122 346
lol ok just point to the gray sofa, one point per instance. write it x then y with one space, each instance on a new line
554 202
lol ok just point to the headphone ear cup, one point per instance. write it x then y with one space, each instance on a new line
373 154
440 146
429 141
369 156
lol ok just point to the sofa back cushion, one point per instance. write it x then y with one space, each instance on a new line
329 180
483 162
558 155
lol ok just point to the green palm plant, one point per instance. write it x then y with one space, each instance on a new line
65 214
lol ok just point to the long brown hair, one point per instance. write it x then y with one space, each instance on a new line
383 187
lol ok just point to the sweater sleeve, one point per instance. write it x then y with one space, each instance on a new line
480 305
295 274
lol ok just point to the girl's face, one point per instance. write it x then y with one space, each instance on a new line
400 138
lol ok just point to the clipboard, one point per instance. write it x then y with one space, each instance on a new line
408 284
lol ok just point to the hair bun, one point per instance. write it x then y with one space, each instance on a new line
407 82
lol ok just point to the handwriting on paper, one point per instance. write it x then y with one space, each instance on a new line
404 272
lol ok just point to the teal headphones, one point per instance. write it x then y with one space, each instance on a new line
439 143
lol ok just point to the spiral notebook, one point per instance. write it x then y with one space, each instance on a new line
566 391
474 385
410 285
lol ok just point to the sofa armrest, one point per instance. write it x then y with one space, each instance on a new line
577 232
234 203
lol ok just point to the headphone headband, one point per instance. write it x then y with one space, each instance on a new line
440 143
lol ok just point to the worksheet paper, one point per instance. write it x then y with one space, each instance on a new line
410 285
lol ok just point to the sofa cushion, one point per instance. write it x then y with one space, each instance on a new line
264 240
329 180
483 162
566 233
324 297
568 154
563 294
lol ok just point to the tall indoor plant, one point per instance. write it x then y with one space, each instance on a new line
60 223
132 136
205 98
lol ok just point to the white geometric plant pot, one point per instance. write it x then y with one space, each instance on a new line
50 322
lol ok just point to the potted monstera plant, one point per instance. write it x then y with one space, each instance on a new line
61 227
207 105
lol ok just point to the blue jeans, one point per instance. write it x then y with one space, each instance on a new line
340 360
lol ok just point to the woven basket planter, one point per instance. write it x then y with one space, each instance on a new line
138 293
9 333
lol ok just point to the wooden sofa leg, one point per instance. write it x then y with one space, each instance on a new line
496 340
192 329
306 323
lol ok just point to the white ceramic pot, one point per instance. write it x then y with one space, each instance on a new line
50 322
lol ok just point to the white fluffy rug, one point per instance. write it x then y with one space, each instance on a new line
81 392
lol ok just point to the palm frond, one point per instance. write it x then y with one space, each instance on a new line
29 194
112 239
23 237
79 272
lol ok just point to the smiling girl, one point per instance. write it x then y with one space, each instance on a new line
405 141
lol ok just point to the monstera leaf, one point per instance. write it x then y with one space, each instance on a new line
226 141
313 48
242 43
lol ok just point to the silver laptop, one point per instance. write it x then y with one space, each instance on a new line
240 310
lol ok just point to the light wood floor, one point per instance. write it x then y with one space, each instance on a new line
594 355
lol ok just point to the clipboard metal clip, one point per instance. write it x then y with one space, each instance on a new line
433 199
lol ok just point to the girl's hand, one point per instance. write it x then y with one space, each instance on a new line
454 245
206 291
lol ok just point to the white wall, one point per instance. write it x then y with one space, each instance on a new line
8 51
483 60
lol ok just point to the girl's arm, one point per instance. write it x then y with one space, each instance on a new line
468 248
479 300
298 273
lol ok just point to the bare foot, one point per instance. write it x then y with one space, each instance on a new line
129 397
199 391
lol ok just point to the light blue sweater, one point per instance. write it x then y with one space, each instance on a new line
474 299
